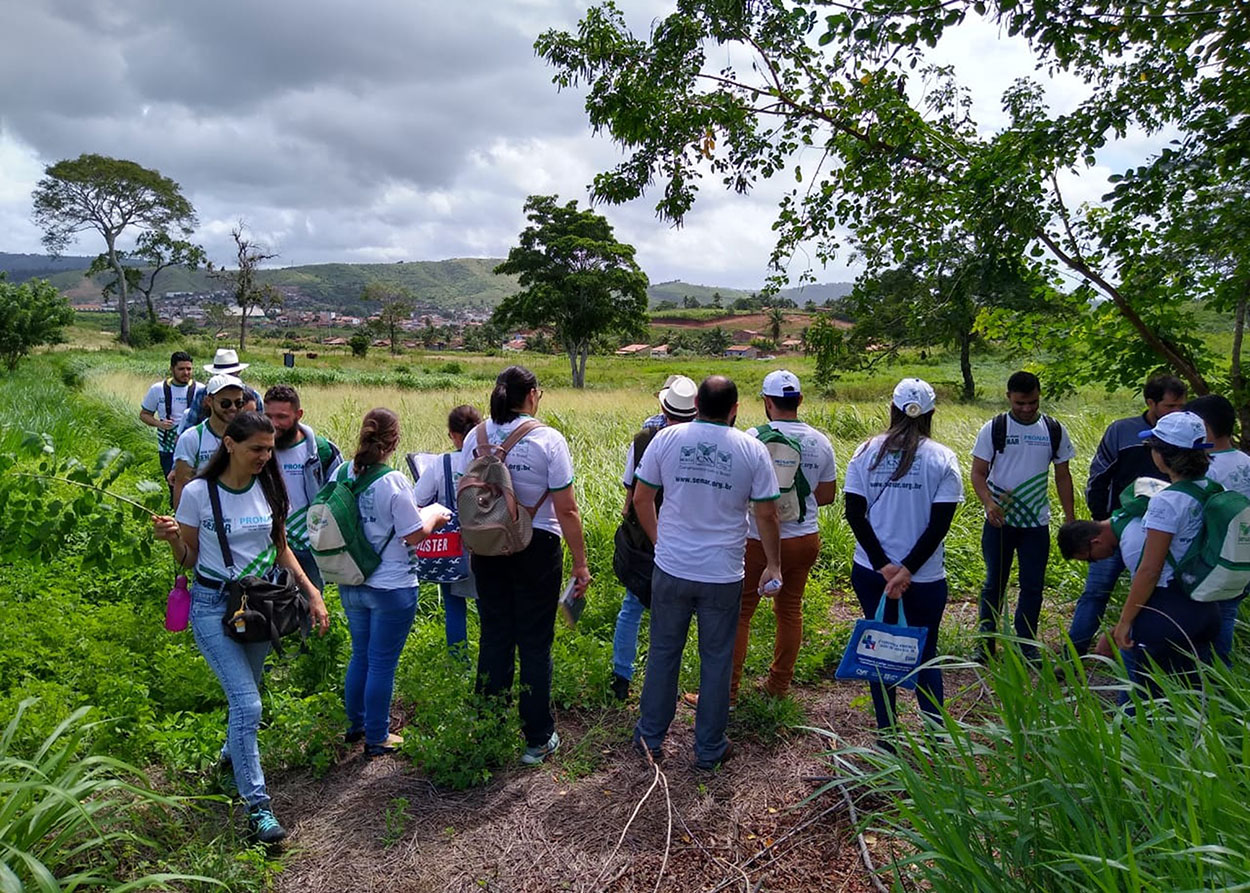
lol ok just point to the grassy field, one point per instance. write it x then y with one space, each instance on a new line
87 639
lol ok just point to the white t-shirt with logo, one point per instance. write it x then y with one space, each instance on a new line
291 461
709 473
1022 470
899 510
388 513
431 488
154 402
538 463
249 529
1231 470
1177 513
818 466
196 446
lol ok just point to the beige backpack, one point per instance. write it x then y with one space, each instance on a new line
492 521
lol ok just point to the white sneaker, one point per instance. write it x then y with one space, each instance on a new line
534 756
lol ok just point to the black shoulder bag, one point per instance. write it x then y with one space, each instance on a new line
633 555
257 609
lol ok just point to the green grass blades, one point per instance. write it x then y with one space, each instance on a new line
66 815
1047 785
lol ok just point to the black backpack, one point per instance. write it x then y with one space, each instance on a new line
260 609
998 435
633 554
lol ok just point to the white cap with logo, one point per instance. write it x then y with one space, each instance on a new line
221 382
914 397
781 383
1185 430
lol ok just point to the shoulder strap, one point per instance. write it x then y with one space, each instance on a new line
642 440
483 445
169 400
1195 491
371 474
998 434
214 500
1055 430
447 489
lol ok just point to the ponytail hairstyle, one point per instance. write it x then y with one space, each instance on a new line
379 436
511 388
244 426
463 419
904 436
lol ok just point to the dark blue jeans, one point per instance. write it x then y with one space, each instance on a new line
924 604
1176 633
1228 623
999 545
1092 604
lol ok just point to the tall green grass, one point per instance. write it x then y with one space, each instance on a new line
1049 786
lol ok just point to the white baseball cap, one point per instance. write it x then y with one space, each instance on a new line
914 397
780 383
221 382
677 397
1185 430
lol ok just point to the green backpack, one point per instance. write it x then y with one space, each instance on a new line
1216 566
787 456
335 534
1134 500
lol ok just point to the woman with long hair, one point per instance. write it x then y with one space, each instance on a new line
902 489
1159 620
380 611
253 508
518 594
431 487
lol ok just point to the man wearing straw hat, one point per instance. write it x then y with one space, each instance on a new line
225 362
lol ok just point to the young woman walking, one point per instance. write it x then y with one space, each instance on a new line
902 489
253 508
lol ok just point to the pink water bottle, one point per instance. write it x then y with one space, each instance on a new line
178 606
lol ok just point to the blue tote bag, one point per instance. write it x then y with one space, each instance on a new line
440 556
884 652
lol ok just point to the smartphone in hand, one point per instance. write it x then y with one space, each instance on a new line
570 607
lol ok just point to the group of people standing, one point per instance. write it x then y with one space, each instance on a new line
705 498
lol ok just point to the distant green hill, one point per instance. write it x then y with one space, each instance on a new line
457 284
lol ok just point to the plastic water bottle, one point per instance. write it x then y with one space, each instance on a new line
178 606
771 587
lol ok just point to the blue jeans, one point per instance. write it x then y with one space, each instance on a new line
1092 604
625 638
924 604
1228 622
379 621
309 565
673 602
456 598
999 545
239 667
1175 632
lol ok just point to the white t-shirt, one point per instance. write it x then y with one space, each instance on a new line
538 463
249 529
388 513
196 446
1022 469
291 461
430 487
1179 514
899 510
154 402
818 467
710 473
1231 470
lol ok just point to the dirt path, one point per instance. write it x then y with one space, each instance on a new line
380 825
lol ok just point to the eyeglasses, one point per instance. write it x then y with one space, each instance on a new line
540 392
238 404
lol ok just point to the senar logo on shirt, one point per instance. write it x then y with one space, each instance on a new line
707 456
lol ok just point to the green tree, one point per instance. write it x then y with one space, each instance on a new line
157 251
397 305
246 289
690 302
899 163
775 318
216 318
109 196
714 342
31 314
359 343
665 305
575 278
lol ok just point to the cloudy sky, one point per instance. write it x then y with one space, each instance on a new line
377 131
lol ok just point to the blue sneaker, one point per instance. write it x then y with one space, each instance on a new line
263 827
534 756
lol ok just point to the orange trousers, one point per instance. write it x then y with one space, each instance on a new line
798 554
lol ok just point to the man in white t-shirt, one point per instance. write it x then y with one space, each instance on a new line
1011 476
800 538
710 474
197 444
166 403
1230 468
307 460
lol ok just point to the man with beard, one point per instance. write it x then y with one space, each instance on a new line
166 402
197 444
307 460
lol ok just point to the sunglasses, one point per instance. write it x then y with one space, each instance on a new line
238 404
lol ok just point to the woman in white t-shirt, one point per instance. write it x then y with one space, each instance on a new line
1159 620
432 487
380 611
253 507
902 489
517 594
